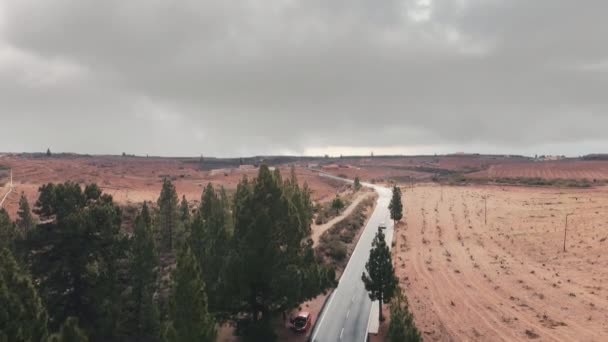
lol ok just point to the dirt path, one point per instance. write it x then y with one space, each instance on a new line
318 230
507 280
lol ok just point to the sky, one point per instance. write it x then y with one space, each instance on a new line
258 77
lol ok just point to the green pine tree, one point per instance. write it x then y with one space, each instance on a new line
272 266
357 184
143 322
380 280
184 211
22 315
188 315
70 332
8 233
401 327
25 220
79 248
168 216
396 207
337 204
208 241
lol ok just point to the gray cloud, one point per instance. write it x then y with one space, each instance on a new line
286 76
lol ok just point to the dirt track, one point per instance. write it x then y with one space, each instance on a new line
508 280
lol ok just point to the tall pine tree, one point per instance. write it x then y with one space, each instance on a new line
396 207
271 262
188 314
22 315
78 254
168 216
143 316
8 233
184 211
25 220
380 280
209 243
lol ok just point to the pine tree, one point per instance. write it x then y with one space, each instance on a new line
25 220
337 204
272 266
79 248
8 233
357 183
209 243
143 322
70 332
189 316
396 207
168 216
401 327
380 280
48 152
22 315
184 211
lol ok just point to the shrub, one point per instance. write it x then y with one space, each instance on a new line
336 250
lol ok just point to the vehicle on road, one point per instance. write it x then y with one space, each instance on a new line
382 225
301 322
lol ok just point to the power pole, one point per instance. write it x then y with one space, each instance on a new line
485 211
566 230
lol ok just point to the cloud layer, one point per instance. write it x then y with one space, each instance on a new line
282 76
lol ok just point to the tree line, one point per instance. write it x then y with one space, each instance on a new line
78 274
382 284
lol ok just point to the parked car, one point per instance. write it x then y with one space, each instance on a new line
301 322
382 225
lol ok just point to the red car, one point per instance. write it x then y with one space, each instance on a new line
302 322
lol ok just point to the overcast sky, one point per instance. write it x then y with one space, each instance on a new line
249 77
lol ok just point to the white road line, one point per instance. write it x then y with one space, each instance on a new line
347 313
354 298
318 326
341 332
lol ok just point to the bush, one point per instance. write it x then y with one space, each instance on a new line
336 250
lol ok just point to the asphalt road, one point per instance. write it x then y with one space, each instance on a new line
346 314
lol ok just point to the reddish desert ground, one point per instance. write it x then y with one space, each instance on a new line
509 279
133 180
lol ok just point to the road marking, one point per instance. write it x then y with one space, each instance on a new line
341 332
347 313
318 326
354 298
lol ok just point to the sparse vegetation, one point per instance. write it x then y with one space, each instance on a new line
324 212
334 242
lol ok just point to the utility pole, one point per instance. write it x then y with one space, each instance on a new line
566 230
485 211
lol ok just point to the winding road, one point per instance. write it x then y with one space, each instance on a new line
347 312
10 189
